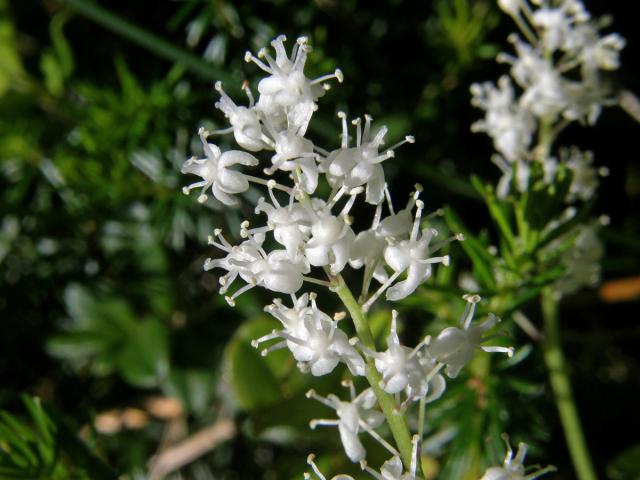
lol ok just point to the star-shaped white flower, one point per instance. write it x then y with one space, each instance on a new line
313 337
353 417
360 165
287 96
216 174
244 121
454 347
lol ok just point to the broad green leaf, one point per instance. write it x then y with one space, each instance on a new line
144 358
260 381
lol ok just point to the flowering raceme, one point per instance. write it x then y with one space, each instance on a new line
559 67
556 77
299 238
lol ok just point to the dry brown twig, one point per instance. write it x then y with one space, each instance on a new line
177 456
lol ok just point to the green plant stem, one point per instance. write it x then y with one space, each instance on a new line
149 41
395 419
554 359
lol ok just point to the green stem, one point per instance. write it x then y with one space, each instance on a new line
395 419
148 40
554 359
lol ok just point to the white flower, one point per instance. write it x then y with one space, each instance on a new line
325 346
287 96
582 260
556 25
360 165
406 369
513 468
585 178
368 247
274 271
313 337
215 172
510 125
543 85
291 224
238 260
413 257
244 121
410 256
330 242
353 417
604 53
293 153
455 347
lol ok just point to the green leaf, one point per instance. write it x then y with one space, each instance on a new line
144 358
581 215
260 381
497 209
105 335
194 387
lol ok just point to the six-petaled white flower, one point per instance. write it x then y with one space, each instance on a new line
216 174
354 416
454 347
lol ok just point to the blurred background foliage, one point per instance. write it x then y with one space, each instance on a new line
118 356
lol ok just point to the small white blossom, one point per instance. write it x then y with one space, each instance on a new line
585 178
313 337
293 153
413 257
353 417
509 125
544 87
556 24
360 165
274 271
330 242
216 174
244 121
287 96
291 224
454 347
513 467
406 369
582 260
368 247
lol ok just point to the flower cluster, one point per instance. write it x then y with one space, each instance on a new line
559 69
557 76
304 238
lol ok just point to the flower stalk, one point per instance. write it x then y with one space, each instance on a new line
562 392
395 420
